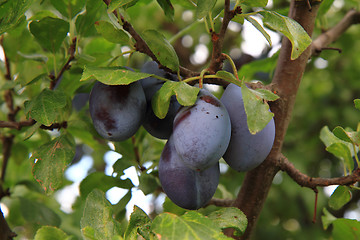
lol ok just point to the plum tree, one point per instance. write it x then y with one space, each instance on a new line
202 131
159 128
246 151
186 187
117 111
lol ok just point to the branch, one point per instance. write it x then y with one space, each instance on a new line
330 36
71 51
310 182
218 38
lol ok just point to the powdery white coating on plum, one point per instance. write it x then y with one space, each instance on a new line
187 188
202 131
246 151
159 128
117 111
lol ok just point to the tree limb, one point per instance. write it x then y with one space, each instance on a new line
310 182
331 35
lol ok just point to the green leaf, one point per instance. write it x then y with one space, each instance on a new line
343 152
257 110
139 223
47 232
51 160
348 229
192 225
147 183
229 77
185 94
45 107
327 219
351 137
298 37
204 7
121 165
324 7
357 103
260 28
68 8
162 49
168 8
254 3
37 212
97 215
230 218
86 21
92 181
114 4
36 57
340 197
110 33
49 32
112 75
251 69
12 13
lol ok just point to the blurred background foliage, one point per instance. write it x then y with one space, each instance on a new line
325 98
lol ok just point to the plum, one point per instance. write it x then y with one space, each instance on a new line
186 187
117 111
159 128
246 151
202 131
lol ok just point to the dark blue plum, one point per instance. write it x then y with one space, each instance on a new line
117 111
186 187
159 128
246 151
202 131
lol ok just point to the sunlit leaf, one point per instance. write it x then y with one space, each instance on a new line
50 32
230 218
48 232
139 223
112 75
98 216
162 49
257 110
346 229
260 28
342 151
290 28
254 3
327 219
347 136
191 225
340 197
110 33
357 103
50 161
229 77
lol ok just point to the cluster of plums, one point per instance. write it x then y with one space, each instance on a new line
198 135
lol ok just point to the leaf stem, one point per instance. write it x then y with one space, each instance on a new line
232 65
355 155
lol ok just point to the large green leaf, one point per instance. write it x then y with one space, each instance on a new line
185 94
39 213
112 75
102 182
342 151
348 229
12 13
49 32
139 223
260 28
162 49
98 217
230 218
46 106
257 110
340 197
86 21
53 233
167 7
290 28
347 136
50 161
204 7
191 225
110 33
68 8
